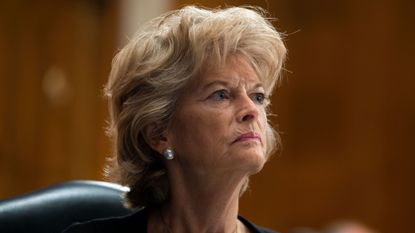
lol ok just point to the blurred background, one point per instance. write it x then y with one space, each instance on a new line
346 108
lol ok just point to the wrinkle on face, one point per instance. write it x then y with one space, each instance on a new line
203 131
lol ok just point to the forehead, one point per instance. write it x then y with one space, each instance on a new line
235 71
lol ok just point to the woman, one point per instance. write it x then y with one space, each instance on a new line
188 98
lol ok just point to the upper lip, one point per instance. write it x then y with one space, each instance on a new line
248 135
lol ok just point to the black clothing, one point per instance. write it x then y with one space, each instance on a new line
135 222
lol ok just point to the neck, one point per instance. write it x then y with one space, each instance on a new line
202 204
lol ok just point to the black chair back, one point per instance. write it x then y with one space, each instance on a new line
54 208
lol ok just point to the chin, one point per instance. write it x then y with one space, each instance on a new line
254 162
257 168
248 158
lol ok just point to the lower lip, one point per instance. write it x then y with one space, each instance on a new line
248 139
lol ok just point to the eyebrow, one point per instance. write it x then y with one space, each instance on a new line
213 83
226 84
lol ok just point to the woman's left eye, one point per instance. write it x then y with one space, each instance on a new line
258 98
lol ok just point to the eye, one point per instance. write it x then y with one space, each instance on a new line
220 95
258 98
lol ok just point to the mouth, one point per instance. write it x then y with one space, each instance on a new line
251 136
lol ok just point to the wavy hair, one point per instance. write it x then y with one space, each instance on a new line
151 71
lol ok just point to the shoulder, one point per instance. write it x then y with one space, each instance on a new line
254 228
136 220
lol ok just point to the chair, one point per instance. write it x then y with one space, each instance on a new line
54 208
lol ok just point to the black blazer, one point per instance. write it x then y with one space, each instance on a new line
135 222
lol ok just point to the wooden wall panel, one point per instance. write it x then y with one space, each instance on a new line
54 61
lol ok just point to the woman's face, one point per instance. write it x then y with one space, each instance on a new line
220 121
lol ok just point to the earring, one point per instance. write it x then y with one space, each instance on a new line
168 154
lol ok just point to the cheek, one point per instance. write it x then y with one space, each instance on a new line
195 130
262 125
262 121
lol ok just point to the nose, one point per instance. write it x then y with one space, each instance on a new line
248 110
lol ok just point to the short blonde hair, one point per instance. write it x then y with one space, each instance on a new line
151 71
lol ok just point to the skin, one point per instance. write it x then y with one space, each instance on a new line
218 136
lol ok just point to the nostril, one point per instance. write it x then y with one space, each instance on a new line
247 117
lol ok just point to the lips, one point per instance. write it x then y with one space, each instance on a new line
251 136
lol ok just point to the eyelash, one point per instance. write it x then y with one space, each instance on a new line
215 95
221 95
262 98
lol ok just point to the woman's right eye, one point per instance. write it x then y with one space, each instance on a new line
219 95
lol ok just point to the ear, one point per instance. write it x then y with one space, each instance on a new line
155 138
